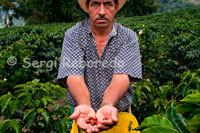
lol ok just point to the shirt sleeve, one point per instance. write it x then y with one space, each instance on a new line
71 58
129 60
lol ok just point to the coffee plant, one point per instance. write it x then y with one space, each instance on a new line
35 107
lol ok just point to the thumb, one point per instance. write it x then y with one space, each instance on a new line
75 114
114 116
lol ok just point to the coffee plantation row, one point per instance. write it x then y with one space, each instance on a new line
170 49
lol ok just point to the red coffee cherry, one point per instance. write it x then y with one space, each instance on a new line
88 121
105 118
92 121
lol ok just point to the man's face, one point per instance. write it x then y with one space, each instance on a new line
102 12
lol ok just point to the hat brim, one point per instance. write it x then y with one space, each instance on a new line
83 6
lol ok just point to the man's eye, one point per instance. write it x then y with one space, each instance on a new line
94 3
109 3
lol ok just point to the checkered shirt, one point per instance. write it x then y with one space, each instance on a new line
79 56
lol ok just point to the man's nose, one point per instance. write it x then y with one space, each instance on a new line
101 10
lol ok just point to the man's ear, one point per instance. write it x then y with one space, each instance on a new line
117 6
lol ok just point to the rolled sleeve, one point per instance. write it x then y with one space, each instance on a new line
129 59
71 58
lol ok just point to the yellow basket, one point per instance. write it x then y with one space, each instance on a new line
126 123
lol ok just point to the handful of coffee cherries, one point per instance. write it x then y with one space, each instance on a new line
93 120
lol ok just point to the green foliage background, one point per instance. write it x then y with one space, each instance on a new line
169 45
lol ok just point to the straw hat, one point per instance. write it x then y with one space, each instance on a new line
82 4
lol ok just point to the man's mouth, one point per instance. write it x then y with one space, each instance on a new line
102 20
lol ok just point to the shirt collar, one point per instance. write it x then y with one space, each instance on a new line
112 33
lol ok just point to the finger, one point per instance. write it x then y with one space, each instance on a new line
75 114
96 129
107 122
91 127
89 130
114 116
81 124
103 127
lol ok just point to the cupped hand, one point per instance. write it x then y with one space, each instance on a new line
107 117
81 114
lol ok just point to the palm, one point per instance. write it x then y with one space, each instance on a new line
84 115
81 114
101 115
107 116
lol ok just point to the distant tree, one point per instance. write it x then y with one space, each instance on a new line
6 6
49 11
139 7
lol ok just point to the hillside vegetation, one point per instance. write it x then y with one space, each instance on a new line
169 5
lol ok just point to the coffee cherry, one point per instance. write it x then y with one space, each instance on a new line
92 121
88 121
90 117
105 118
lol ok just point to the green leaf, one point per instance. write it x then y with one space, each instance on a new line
35 82
2 97
30 119
27 100
155 120
15 125
192 98
21 94
41 124
40 90
185 75
40 110
177 120
28 112
147 88
156 102
44 113
59 94
5 102
61 89
1 127
162 90
194 124
195 112
19 86
18 91
193 77
37 103
5 124
185 107
45 116
62 125
13 106
45 99
181 86
159 129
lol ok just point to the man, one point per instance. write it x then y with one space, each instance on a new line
99 58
